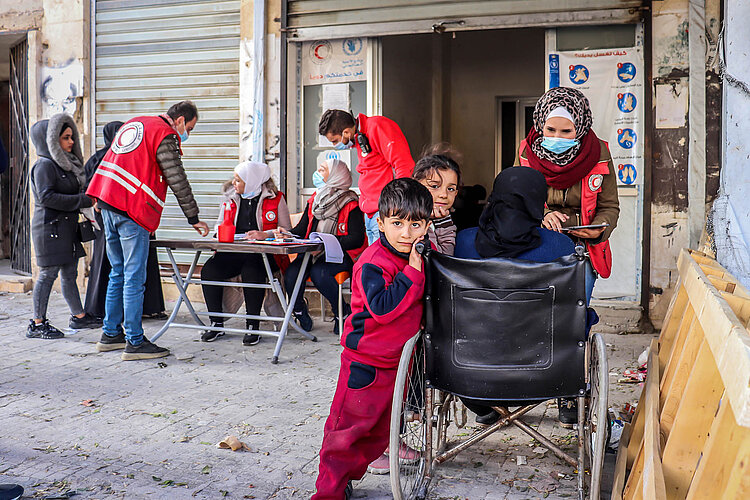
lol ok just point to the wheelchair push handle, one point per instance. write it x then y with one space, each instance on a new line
423 246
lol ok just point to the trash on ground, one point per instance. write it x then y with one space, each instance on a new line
520 460
232 443
88 402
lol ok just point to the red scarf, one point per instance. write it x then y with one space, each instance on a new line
562 177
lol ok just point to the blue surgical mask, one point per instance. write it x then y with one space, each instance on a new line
341 145
558 145
250 195
318 180
183 136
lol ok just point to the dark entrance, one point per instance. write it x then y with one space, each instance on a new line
20 244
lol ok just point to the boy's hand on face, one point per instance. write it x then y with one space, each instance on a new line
415 258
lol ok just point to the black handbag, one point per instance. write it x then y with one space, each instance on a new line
86 231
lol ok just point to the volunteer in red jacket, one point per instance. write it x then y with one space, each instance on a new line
383 156
582 185
131 186
332 209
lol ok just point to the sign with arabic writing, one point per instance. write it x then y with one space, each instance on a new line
612 79
334 61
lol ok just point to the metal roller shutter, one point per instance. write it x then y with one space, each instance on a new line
153 53
321 19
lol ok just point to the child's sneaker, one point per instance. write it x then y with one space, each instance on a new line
381 465
406 455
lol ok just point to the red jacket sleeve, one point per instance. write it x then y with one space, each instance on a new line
392 144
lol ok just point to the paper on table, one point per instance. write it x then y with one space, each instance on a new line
333 250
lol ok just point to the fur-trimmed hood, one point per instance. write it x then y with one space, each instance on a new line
45 135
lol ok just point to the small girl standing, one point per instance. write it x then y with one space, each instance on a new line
442 176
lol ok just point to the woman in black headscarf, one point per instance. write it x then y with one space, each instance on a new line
510 225
96 292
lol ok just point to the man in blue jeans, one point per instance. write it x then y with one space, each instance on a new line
130 186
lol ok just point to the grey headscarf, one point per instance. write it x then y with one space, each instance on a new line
333 196
70 162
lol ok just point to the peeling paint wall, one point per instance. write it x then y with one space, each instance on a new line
670 159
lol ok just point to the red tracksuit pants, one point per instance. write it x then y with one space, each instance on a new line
357 429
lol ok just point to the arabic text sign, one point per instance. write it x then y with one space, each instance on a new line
334 61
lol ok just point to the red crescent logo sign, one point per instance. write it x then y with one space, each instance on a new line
128 138
342 227
270 216
595 182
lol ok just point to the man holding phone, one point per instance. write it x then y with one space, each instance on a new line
383 154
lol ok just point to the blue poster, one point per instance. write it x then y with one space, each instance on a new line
554 71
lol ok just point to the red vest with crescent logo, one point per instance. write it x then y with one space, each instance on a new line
591 185
342 224
129 177
270 212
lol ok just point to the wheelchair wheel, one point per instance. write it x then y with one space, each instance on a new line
408 425
597 418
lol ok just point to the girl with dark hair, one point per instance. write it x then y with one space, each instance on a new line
441 176
58 180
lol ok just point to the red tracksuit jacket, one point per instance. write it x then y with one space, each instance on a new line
389 159
386 306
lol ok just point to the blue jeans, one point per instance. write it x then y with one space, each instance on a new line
371 228
590 281
127 250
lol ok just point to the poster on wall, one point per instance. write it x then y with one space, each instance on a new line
612 80
334 61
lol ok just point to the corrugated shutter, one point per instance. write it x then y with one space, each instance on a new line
153 53
321 19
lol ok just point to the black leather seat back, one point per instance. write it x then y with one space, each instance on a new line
505 329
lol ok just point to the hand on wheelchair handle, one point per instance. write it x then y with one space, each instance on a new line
422 246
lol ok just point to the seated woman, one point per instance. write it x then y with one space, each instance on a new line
261 208
510 227
333 209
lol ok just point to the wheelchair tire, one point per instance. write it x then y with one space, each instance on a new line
597 416
408 427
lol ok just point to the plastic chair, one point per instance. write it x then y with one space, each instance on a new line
341 278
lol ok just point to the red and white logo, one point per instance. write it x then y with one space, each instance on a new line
128 138
342 228
595 182
270 216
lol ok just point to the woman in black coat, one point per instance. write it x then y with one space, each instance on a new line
96 290
57 182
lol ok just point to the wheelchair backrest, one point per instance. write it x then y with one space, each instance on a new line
505 329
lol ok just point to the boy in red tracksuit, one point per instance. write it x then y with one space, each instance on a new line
387 290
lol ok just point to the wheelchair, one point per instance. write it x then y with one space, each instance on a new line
507 334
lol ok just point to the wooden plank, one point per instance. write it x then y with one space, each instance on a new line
738 484
636 435
734 367
676 376
672 321
618 483
687 330
634 485
716 464
653 475
740 306
692 420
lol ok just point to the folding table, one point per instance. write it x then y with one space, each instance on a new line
303 251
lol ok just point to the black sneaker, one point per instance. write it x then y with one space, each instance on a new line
107 343
488 419
304 319
211 335
250 339
43 330
348 490
145 350
567 412
87 321
11 491
347 312
157 315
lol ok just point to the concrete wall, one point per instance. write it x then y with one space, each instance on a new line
670 146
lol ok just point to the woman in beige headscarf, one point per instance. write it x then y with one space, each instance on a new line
333 209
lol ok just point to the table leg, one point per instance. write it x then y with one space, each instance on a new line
288 314
182 286
276 287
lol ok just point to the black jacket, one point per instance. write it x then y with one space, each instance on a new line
58 196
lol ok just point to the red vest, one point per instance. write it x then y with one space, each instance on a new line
129 178
342 224
270 212
591 185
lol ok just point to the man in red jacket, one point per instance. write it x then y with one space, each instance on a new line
383 155
130 186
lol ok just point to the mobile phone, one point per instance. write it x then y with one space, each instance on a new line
590 226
